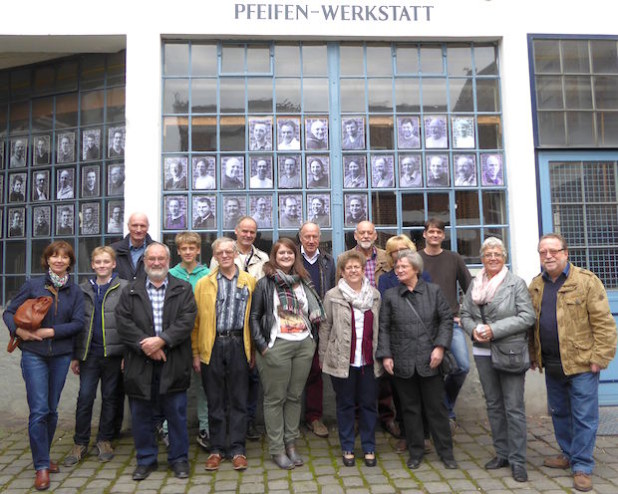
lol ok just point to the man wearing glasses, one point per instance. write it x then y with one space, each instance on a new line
574 337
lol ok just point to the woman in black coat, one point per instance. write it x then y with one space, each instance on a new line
416 326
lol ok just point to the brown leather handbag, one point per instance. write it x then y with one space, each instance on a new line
29 316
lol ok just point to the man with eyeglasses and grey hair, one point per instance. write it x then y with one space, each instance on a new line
573 339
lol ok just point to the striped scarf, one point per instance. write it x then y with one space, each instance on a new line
284 284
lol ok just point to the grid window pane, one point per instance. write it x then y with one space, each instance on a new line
546 56
580 128
575 57
604 56
203 60
577 93
287 60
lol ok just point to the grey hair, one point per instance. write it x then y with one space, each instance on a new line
222 240
157 244
493 243
414 258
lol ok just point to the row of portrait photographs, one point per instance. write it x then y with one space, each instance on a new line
41 189
410 134
410 172
88 220
233 176
383 172
260 208
39 149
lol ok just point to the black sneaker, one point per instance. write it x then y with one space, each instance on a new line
252 433
203 440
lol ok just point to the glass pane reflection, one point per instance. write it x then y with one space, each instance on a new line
352 95
204 133
203 59
384 208
413 210
232 95
351 60
260 95
232 133
467 211
288 95
287 60
494 207
315 95
204 95
176 96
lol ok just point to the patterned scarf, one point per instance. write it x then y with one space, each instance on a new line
362 301
58 281
289 303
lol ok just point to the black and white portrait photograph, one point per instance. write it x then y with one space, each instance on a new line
382 171
65 215
65 180
408 132
290 210
175 212
232 172
316 133
91 181
491 165
464 170
410 170
204 172
204 212
15 222
437 170
436 135
288 134
40 150
353 133
91 144
115 142
234 208
463 132
318 209
66 148
115 179
260 134
175 173
261 208
354 172
90 218
355 208
115 216
17 187
40 185
41 221
318 172
261 172
290 172
19 152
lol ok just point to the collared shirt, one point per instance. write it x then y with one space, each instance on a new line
136 252
370 266
231 303
157 298
313 259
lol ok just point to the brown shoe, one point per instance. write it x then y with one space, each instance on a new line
41 480
213 462
582 482
401 446
392 427
559 461
53 467
318 428
239 462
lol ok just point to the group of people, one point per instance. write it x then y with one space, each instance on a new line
378 322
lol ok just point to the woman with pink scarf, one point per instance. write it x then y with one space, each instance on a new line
497 313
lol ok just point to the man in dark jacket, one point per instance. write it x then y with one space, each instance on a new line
97 356
321 268
129 265
155 319
130 250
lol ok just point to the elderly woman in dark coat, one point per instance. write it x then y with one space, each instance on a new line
416 326
506 315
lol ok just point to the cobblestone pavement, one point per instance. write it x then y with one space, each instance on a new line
323 471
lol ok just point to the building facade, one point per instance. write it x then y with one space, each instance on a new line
498 117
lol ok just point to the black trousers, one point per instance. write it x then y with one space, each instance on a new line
226 382
415 394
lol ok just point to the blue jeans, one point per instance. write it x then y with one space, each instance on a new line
44 378
574 406
91 371
454 382
173 406
359 388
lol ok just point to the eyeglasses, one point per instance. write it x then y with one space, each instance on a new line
353 268
493 255
550 252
